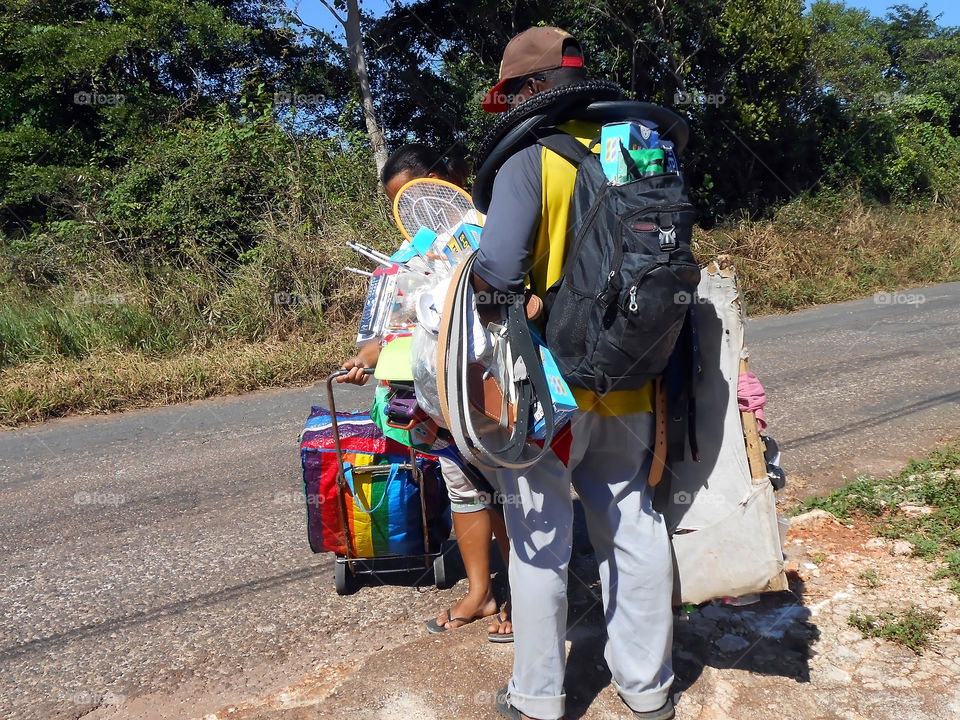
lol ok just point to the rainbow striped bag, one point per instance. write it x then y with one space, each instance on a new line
383 508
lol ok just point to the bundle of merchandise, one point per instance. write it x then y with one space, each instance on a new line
632 150
404 308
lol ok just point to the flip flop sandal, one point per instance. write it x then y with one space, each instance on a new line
433 627
504 707
499 637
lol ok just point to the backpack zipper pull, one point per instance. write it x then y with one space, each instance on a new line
633 299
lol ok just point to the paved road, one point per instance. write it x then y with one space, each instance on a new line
862 386
154 564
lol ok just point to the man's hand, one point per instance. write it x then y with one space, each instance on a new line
366 358
488 310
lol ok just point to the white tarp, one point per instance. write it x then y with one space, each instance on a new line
724 528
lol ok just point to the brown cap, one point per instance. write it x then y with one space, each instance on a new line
532 51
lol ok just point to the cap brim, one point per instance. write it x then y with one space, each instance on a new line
394 361
495 101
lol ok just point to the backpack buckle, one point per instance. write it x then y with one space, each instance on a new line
668 238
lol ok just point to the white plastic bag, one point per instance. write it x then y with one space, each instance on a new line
423 358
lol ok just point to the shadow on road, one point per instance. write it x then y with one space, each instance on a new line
770 637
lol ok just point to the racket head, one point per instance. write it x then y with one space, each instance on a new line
431 203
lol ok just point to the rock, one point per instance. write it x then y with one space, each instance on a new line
813 519
111 698
844 657
904 683
731 643
835 675
877 542
901 547
847 637
916 510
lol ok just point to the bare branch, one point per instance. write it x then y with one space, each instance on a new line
328 6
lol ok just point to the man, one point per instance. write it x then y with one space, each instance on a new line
524 239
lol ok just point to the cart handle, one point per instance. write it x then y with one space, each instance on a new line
341 479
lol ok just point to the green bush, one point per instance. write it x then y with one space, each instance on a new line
218 230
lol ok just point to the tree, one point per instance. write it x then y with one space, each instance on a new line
358 65
85 84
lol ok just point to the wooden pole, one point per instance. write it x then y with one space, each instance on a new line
751 434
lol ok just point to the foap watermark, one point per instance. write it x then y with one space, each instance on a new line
890 98
84 497
685 497
85 698
284 98
84 297
685 298
484 697
282 497
497 297
500 498
899 298
89 97
695 97
287 299
499 97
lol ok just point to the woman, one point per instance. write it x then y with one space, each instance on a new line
475 520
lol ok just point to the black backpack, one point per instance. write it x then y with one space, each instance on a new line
616 312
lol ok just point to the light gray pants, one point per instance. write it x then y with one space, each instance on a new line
609 463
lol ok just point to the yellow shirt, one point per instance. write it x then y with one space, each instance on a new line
549 253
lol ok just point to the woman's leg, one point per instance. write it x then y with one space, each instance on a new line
472 526
503 624
473 538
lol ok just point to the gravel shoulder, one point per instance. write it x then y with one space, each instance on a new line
790 654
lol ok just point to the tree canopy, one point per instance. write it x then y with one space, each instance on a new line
782 100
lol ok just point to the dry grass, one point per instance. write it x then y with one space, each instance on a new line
103 383
192 333
817 252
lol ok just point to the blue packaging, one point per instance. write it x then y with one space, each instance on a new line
564 405
626 135
461 242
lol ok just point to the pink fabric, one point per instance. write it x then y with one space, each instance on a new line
751 397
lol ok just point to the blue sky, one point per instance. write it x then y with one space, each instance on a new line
314 13
949 10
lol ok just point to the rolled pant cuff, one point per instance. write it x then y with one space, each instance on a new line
467 507
542 708
645 701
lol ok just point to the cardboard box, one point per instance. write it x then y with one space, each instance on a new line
629 135
461 242
564 404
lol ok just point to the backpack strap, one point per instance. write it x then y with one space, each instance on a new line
565 145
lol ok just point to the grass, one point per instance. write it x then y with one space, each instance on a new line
78 313
834 248
911 628
89 324
871 577
109 382
921 504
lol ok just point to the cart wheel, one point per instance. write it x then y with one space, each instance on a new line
440 572
342 578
